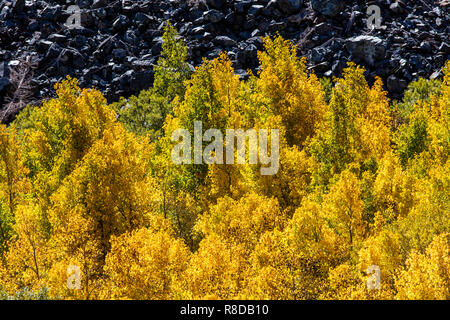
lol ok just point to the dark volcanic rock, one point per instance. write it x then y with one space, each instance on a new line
119 42
396 85
224 41
328 7
218 4
4 76
213 16
18 6
290 6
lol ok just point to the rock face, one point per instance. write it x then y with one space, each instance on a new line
329 8
120 41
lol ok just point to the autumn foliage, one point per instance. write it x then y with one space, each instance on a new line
362 182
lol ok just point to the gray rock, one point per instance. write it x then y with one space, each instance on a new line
426 47
444 47
366 48
278 26
18 6
142 64
436 75
409 47
141 19
224 41
318 55
213 16
396 8
290 6
230 18
44 45
329 8
242 6
157 46
251 52
255 9
53 51
78 60
4 13
4 75
256 33
59 38
99 4
120 24
104 48
119 54
217 4
396 85
142 80
320 67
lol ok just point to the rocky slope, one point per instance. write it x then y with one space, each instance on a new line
120 40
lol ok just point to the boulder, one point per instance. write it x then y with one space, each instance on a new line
224 41
329 8
213 16
396 85
216 4
290 6
368 49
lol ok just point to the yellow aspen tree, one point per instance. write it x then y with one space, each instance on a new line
386 251
13 183
310 236
109 193
77 260
427 275
439 122
291 184
273 273
212 97
111 186
347 282
344 207
298 257
145 264
393 188
175 203
374 124
242 221
28 259
357 127
64 128
430 214
285 88
215 271
59 134
224 179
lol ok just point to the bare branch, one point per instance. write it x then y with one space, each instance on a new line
21 76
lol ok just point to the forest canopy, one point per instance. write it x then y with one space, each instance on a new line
363 181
